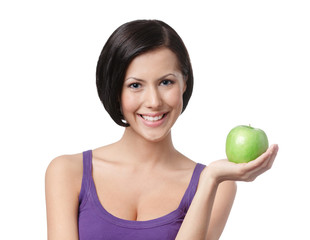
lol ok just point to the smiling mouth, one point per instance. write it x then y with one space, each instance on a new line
153 118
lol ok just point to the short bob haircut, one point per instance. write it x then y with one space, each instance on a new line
127 42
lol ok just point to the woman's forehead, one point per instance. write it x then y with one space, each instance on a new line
160 61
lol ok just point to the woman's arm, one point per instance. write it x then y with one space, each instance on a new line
209 210
62 185
223 202
205 218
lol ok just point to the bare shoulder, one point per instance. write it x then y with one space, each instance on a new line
63 181
69 164
185 162
66 169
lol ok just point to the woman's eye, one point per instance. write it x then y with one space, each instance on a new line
166 82
135 85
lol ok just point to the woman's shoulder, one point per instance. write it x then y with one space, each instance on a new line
65 169
185 162
67 162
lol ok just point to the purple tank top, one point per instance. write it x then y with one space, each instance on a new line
95 223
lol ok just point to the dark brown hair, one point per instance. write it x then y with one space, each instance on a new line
127 42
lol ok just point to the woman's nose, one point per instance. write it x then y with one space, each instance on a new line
153 98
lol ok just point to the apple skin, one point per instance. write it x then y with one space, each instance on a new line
245 143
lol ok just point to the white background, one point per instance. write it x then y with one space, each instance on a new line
251 62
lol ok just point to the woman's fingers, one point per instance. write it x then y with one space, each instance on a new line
275 149
266 159
223 170
263 163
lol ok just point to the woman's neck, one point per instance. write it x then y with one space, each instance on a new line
139 150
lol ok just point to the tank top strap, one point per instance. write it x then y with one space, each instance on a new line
87 175
192 187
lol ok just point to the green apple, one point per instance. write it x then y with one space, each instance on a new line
245 143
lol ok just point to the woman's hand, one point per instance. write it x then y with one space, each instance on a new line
223 170
212 202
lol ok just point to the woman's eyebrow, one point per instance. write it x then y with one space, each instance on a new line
141 80
134 78
163 77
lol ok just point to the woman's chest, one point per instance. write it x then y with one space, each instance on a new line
140 197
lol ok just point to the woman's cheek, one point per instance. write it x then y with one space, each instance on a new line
129 103
175 98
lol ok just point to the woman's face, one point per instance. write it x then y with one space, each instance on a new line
152 94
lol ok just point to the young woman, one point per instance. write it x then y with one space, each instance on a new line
141 187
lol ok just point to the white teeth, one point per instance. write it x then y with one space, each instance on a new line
152 119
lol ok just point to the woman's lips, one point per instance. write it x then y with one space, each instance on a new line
153 120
